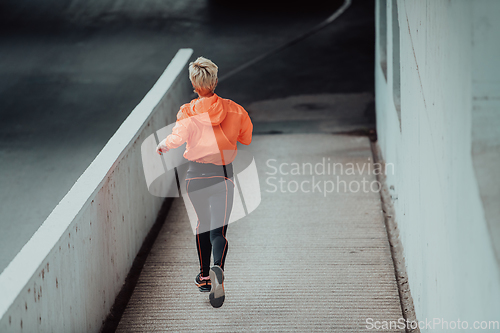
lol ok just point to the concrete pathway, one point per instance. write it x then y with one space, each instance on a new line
300 262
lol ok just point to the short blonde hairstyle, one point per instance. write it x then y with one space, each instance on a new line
203 74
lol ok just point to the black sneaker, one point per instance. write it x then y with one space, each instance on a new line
203 285
217 293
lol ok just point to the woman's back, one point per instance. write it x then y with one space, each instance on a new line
211 126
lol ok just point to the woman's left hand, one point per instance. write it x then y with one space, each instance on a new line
162 148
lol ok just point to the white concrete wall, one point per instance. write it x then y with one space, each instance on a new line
450 260
486 110
66 278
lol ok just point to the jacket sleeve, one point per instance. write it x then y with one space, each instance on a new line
245 136
179 132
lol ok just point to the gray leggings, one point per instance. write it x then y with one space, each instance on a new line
211 190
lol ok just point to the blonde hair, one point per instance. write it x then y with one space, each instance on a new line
203 74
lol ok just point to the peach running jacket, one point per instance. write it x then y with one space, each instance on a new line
211 126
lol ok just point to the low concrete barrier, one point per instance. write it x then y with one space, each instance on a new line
66 278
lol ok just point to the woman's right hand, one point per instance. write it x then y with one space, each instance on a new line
162 148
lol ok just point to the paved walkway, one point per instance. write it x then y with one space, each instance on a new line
300 262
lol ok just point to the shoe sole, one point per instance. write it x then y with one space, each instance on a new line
217 295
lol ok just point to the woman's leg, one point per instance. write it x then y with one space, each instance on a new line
201 204
221 204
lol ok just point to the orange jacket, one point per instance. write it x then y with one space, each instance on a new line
211 126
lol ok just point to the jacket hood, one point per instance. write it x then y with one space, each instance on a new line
211 105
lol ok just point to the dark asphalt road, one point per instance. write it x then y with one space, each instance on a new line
71 72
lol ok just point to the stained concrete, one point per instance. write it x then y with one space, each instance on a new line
321 113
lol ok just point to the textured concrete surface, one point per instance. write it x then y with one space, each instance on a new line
486 112
451 264
300 262
71 71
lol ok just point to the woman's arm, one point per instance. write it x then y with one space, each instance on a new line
177 138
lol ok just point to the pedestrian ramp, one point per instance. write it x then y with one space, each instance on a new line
314 256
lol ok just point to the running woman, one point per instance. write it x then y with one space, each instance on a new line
211 126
